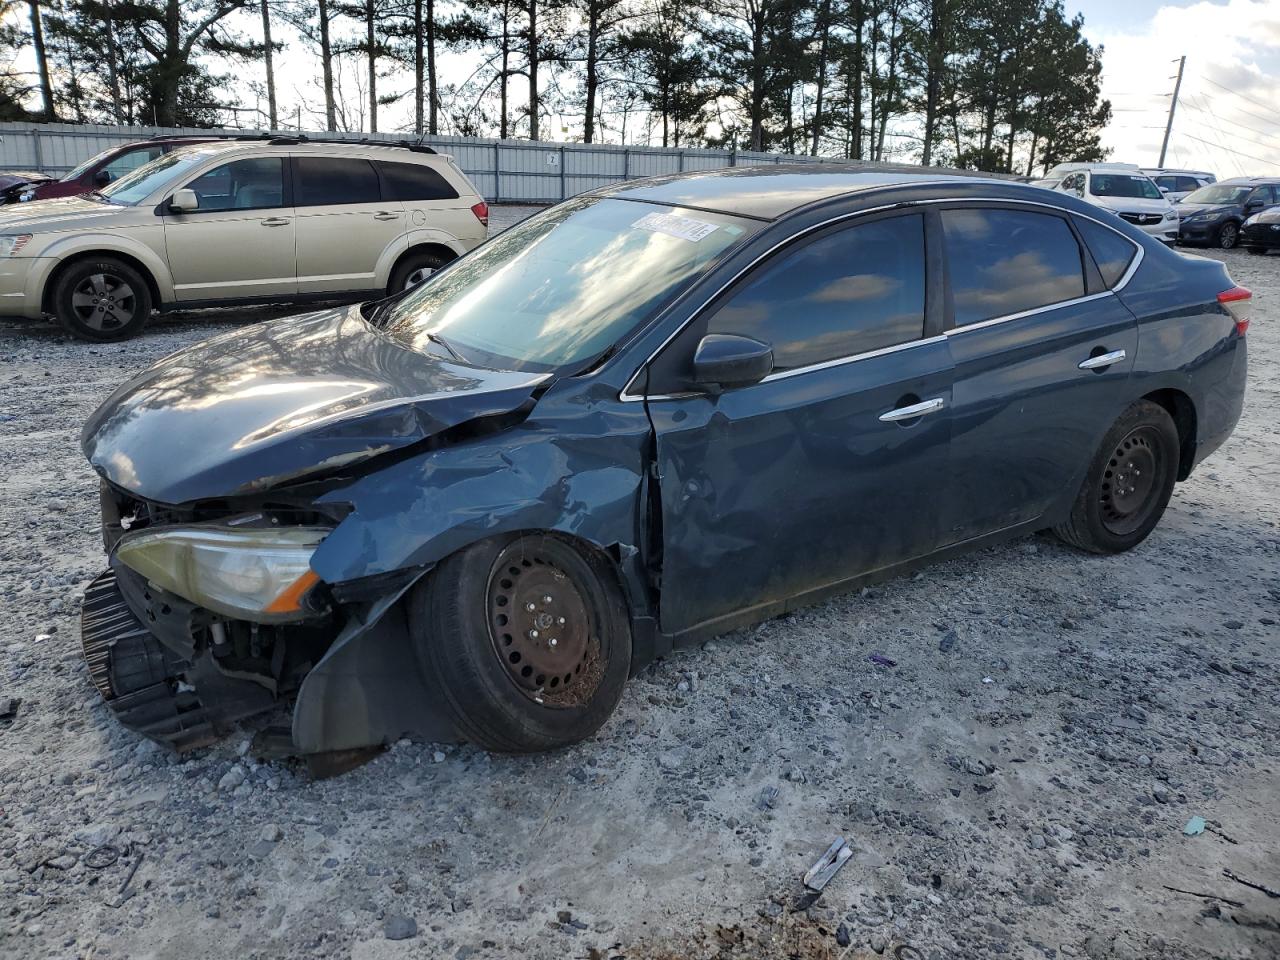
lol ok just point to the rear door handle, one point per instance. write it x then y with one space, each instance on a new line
914 410
276 222
384 215
1102 360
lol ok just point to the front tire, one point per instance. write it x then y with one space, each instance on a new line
1228 235
102 300
1128 485
525 640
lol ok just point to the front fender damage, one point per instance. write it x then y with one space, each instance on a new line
368 688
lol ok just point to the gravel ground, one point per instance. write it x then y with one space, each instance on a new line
1015 786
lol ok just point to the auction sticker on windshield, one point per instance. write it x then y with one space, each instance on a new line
686 228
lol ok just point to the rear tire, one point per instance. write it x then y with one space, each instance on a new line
413 269
1228 235
102 300
1128 485
514 679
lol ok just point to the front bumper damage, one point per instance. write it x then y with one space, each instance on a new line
184 677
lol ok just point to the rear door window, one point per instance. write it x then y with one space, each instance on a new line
413 181
330 181
1003 262
1111 252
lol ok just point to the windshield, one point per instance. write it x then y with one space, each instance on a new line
1124 185
137 185
564 286
81 170
1218 193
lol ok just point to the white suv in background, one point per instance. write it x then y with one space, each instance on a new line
1176 184
238 222
1126 191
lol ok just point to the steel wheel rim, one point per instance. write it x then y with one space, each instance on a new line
417 276
104 301
1131 481
541 629
1227 236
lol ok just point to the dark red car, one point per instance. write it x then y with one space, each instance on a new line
109 165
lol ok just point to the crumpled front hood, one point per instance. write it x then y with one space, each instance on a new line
43 216
259 406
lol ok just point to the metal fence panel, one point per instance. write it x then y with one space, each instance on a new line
504 170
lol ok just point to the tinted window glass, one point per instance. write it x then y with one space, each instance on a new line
1169 183
413 181
323 181
1188 184
852 291
1007 261
1111 252
250 184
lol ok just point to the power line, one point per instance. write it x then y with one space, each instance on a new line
1218 130
1275 119
1258 103
1246 126
1219 146
1258 143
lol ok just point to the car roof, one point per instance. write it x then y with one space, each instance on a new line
1248 181
389 151
766 192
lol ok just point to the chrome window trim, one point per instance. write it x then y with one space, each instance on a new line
626 396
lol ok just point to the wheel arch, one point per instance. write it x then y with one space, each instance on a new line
425 246
1182 409
51 282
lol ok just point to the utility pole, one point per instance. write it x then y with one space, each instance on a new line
1173 105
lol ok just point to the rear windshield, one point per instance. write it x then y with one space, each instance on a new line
557 291
1219 193
1123 185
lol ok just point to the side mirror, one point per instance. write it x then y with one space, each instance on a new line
184 200
1253 205
102 178
726 360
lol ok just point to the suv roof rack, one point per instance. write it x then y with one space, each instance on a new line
416 147
211 135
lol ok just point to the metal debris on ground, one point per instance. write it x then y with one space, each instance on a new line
881 660
9 707
1262 887
1194 827
1204 896
768 798
99 858
828 865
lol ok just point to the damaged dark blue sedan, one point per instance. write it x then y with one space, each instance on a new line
640 418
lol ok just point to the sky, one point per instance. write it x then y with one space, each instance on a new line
1227 119
1228 115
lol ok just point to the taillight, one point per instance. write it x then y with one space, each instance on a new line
481 210
1238 302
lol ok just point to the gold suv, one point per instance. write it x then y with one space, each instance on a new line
234 222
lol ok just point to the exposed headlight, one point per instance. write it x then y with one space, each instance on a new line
249 574
1171 215
1252 219
12 243
26 195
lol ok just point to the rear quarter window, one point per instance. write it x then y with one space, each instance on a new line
1111 252
413 181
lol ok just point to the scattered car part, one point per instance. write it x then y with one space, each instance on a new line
828 865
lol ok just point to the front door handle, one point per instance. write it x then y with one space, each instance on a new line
1102 360
914 410
384 215
276 222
